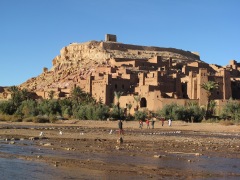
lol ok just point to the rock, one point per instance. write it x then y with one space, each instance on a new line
197 154
120 140
157 156
118 148
33 138
56 164
47 144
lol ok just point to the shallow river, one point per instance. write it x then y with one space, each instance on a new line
14 168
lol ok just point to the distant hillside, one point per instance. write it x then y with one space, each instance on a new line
79 59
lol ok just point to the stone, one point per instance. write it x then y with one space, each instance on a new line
157 156
33 138
47 144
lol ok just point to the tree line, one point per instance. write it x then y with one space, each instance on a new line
81 105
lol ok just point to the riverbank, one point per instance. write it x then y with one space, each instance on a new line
184 150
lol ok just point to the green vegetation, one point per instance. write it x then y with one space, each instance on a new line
190 113
209 87
80 105
231 111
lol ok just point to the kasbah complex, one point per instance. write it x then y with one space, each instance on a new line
156 75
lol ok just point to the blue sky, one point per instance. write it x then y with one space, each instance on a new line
32 32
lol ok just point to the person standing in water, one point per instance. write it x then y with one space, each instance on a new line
120 127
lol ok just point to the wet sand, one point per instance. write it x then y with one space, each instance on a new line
86 150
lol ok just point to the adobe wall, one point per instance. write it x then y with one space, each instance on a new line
129 99
219 92
202 78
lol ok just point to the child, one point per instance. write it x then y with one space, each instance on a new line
147 122
140 124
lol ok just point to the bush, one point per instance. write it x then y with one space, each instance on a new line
12 118
116 113
28 119
49 107
40 119
27 108
7 107
140 115
101 112
192 112
81 113
231 110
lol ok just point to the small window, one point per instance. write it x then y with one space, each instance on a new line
115 86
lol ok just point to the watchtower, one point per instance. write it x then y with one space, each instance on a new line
110 37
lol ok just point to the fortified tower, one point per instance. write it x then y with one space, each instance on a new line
202 77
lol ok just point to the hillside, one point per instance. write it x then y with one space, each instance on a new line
80 59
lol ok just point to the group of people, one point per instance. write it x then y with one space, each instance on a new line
147 123
152 120
169 121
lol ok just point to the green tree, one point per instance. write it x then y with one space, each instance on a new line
140 115
118 95
231 110
137 99
77 94
209 86
51 94
129 107
66 107
27 108
16 96
7 107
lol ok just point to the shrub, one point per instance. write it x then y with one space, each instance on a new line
28 119
81 113
41 119
101 112
7 107
231 110
27 108
49 107
140 115
116 113
12 118
192 112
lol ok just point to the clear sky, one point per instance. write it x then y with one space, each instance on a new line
32 32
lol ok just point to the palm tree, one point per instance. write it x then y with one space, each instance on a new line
77 94
26 95
16 96
118 94
51 94
209 86
137 99
129 106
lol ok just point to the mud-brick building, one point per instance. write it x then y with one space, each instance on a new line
156 76
158 83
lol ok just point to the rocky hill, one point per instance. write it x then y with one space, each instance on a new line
80 59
